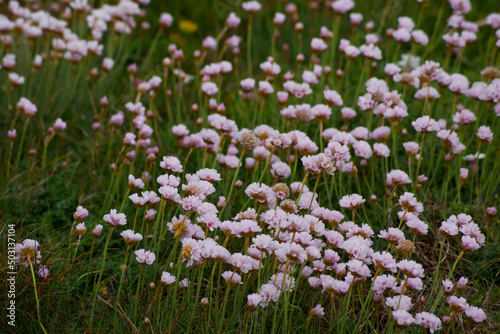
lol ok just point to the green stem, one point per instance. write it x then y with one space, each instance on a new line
36 297
249 45
96 289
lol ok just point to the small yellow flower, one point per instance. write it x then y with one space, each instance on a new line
187 26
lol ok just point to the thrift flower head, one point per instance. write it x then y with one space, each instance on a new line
399 302
475 314
428 321
317 312
27 252
397 178
171 165
130 237
80 214
96 232
351 202
43 272
251 7
402 318
113 218
145 257
254 300
411 268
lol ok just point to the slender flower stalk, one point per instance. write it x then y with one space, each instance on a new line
98 286
36 296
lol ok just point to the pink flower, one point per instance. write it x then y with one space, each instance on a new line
397 178
191 203
337 152
358 268
171 164
425 124
384 261
462 282
80 214
410 203
351 51
317 312
401 35
381 150
484 134
371 51
269 293
458 304
150 215
59 125
130 237
113 218
395 114
381 133
251 7
491 212
279 19
265 88
168 180
475 314
135 183
469 244
355 18
427 93
232 278
318 45
351 202
403 318
391 69
399 302
209 43
166 20
280 170
26 106
358 247
80 228
145 257
417 227
362 149
321 112
43 272
459 84
107 64
414 284
209 88
428 321
448 286
254 300
347 113
342 6
270 68
411 268
12 134
392 235
28 251
169 193
420 37
448 229
167 278
247 84
96 232
383 283
233 21
317 164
